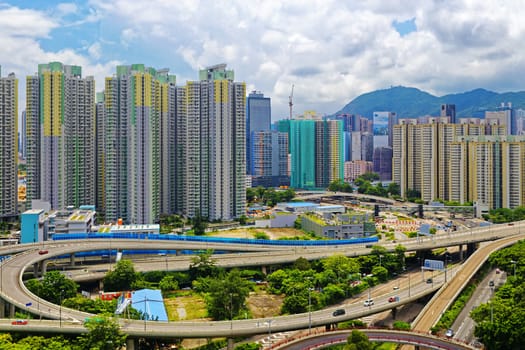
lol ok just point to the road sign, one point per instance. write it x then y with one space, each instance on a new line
433 265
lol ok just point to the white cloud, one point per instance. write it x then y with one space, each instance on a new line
330 50
95 50
66 8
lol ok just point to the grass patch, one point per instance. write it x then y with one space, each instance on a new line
192 304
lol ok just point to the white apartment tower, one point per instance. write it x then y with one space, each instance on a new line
60 124
138 144
211 150
8 146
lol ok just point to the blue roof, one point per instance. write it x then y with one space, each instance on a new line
301 204
150 303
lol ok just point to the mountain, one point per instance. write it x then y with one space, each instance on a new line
410 102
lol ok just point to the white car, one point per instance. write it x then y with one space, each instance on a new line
369 302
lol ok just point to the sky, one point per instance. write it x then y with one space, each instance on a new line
330 51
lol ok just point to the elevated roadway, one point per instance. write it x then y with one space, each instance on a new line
12 269
446 296
318 341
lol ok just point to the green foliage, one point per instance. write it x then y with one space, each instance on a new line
402 326
168 283
268 196
213 345
302 264
358 340
502 215
34 342
203 265
54 287
297 223
380 273
122 277
104 334
500 321
227 295
333 293
340 186
413 195
168 223
261 235
452 313
199 224
341 266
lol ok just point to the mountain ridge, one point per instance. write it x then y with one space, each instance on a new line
410 102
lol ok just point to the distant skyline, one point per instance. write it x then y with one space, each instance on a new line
331 51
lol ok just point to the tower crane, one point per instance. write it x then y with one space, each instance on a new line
290 101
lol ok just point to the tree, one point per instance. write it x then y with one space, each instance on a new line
227 295
341 266
358 340
203 265
54 287
104 334
394 189
168 283
380 272
122 277
199 223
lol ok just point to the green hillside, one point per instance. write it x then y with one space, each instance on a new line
411 102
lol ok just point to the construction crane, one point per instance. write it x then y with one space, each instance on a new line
290 102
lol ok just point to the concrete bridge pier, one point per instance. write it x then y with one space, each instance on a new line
131 344
11 311
230 344
44 266
2 308
461 252
72 260
263 269
471 248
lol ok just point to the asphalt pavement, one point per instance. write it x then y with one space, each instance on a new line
464 326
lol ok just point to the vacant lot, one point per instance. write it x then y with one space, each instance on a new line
272 233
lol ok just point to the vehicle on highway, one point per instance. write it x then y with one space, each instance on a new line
498 271
368 302
339 312
393 299
19 322
429 280
491 283
43 251
449 333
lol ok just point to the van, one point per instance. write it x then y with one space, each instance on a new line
369 302
339 312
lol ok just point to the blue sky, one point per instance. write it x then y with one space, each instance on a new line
330 50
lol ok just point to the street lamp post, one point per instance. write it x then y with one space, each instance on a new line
309 310
231 311
269 322
60 308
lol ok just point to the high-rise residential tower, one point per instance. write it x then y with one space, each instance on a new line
8 146
211 145
458 162
269 165
258 118
60 122
317 152
138 144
